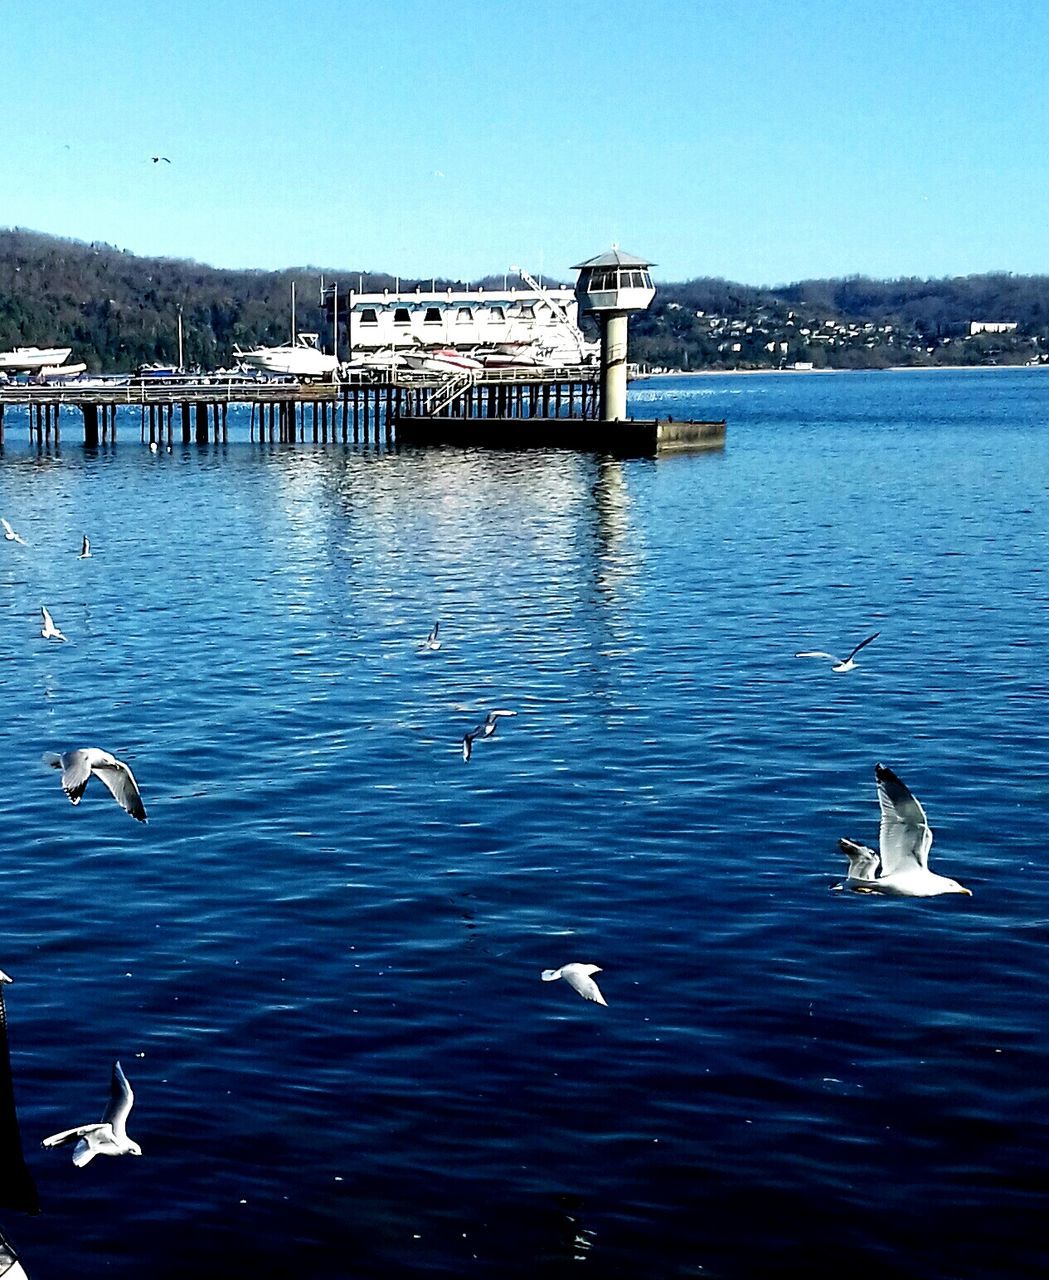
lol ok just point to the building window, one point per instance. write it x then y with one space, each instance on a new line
496 313
432 316
527 311
368 316
402 315
465 315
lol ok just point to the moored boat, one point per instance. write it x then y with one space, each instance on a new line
31 359
301 359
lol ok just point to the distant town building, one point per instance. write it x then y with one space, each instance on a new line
991 326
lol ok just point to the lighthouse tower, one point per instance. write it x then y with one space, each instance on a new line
610 286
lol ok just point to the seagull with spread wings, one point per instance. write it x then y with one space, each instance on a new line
900 866
78 766
840 664
109 1138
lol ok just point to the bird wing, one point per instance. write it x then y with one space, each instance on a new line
69 1135
120 782
862 644
864 863
818 653
579 980
905 836
7 527
49 622
76 769
121 1100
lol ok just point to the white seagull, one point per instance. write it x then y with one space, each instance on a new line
485 730
431 641
49 631
840 664
578 978
108 1138
78 766
901 865
492 719
85 550
11 536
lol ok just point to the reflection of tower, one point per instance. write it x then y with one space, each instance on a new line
17 1189
610 286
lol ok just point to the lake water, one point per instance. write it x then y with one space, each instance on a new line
319 961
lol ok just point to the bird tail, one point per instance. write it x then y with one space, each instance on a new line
51 758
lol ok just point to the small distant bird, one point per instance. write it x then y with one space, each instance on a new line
11 536
841 664
431 641
157 159
492 719
578 978
484 730
108 1138
901 865
78 766
49 631
85 549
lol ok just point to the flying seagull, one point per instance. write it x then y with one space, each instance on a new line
431 641
157 159
578 978
85 550
78 766
901 865
11 536
49 631
492 719
108 1138
841 664
484 730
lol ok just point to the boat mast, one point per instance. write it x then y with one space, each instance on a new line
293 313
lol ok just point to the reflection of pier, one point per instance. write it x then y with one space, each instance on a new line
500 408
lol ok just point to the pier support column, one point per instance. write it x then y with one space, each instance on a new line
613 366
90 412
202 423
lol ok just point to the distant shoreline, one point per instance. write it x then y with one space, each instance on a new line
895 368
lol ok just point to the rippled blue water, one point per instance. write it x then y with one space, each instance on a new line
319 962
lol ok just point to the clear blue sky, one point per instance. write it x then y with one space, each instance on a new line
764 142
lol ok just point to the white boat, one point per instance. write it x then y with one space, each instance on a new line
301 358
59 372
440 360
30 359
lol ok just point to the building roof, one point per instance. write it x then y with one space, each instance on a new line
614 257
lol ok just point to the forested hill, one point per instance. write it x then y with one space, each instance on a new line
117 310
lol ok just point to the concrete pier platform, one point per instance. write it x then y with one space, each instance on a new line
630 437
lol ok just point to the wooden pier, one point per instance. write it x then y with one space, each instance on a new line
501 408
